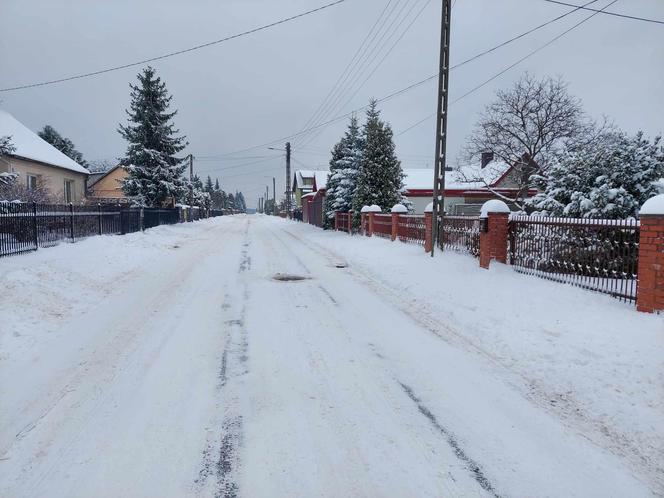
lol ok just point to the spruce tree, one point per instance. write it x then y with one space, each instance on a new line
154 172
63 144
610 177
380 179
344 170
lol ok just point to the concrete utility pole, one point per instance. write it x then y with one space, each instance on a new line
288 180
274 196
441 125
267 193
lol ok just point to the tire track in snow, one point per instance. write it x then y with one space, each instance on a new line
471 465
222 459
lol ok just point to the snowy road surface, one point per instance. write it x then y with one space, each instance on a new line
173 364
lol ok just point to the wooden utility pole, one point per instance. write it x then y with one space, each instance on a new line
441 125
288 180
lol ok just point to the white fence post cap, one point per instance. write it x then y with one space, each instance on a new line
399 208
365 209
654 205
429 208
493 206
374 208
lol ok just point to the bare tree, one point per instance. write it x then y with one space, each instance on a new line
526 126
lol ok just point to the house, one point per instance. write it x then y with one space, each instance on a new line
106 187
39 164
313 202
303 183
466 189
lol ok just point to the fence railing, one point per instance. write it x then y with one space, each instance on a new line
461 234
382 225
342 221
411 228
601 255
26 227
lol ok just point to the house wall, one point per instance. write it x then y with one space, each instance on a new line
52 177
109 187
420 203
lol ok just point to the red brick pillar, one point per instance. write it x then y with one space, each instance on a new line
350 223
395 226
493 237
371 224
428 231
336 220
650 284
363 224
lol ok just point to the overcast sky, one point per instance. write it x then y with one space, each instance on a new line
267 85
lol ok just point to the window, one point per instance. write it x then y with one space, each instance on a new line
31 182
69 190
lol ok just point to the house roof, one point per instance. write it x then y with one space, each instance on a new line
320 179
462 178
95 177
30 146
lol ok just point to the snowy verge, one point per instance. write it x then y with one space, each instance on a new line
593 361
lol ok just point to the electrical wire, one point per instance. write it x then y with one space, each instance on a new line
626 16
171 54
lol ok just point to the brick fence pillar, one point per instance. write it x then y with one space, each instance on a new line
336 220
428 232
650 284
363 224
428 228
395 226
493 238
371 224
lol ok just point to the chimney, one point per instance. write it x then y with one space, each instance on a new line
487 157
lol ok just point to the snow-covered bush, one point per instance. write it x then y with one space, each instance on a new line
610 177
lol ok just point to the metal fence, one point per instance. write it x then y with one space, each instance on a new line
343 221
315 212
26 227
601 255
461 234
382 225
411 228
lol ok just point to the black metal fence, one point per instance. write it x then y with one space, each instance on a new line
26 227
601 255
461 234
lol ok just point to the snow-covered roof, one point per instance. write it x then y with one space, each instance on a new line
30 146
320 179
310 194
463 177
418 179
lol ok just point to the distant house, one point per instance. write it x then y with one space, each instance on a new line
466 189
38 163
314 201
106 187
303 183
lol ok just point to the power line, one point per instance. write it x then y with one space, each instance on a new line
179 52
503 71
373 71
626 16
366 56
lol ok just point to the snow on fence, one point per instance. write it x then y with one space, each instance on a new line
600 255
461 234
26 227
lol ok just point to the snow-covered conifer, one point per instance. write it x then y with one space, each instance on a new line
155 173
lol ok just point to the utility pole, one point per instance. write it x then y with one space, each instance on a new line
441 125
191 184
267 195
288 180
260 204
274 196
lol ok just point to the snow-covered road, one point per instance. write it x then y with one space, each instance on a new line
179 366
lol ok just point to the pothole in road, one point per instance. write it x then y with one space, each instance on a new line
288 277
